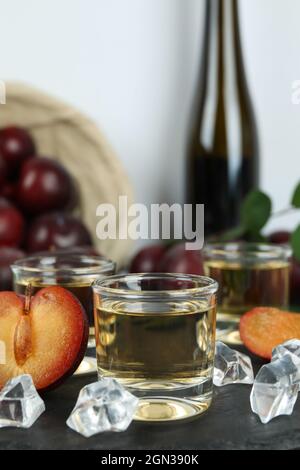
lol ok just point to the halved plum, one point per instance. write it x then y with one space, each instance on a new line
264 328
46 339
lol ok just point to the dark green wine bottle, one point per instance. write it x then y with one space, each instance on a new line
222 160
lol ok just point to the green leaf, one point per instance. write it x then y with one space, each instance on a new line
296 197
255 211
295 243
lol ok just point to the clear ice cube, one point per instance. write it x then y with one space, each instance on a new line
291 346
231 366
20 404
102 406
275 389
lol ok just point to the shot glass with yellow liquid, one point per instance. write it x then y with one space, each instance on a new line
249 275
155 333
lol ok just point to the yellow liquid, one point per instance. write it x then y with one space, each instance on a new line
162 351
242 287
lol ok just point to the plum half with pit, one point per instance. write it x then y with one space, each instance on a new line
56 230
46 339
12 224
44 185
16 145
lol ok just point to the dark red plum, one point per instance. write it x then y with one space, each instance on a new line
44 186
147 259
16 145
12 224
179 260
56 230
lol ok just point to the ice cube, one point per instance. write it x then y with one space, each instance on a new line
231 366
20 404
275 389
292 346
102 406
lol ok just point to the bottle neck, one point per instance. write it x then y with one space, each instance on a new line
222 45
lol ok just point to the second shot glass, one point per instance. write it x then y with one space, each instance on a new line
249 275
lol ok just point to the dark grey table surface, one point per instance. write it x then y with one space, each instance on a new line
228 424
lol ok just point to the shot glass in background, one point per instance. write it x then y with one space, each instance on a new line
249 275
155 333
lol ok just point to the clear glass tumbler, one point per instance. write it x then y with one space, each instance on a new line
249 275
155 333
75 272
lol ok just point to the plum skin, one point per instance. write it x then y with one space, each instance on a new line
180 260
12 224
44 185
56 230
147 259
16 145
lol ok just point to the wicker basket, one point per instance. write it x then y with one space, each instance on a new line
63 133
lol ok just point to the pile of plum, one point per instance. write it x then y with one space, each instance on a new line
37 197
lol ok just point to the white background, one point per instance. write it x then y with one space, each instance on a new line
132 66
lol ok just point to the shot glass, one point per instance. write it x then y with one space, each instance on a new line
155 333
73 271
249 275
